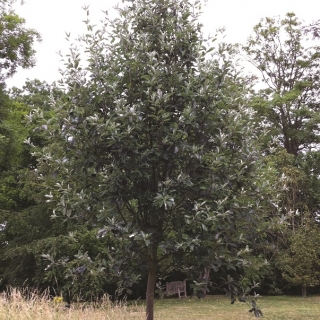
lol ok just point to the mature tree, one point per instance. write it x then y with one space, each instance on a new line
23 211
154 144
286 53
289 65
300 264
16 49
16 159
16 42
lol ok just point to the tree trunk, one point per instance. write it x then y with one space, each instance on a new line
205 275
304 291
151 284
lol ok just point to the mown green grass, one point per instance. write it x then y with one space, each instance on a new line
219 307
212 307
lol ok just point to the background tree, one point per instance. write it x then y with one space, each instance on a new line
16 49
154 143
16 42
290 69
286 53
25 218
300 264
28 231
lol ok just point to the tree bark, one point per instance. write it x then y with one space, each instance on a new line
151 284
205 275
304 291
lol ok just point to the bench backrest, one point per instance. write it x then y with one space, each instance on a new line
176 287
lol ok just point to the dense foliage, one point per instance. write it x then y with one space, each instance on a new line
16 42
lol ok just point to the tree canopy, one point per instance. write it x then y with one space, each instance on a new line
289 65
155 142
16 42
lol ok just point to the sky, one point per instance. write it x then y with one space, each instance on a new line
53 18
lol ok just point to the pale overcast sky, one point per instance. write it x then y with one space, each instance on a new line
52 18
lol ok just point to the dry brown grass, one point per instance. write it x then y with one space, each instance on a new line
23 305
20 305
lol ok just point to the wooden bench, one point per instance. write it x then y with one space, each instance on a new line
178 287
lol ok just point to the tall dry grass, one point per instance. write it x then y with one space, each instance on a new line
24 304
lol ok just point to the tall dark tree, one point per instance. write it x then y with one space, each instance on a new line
154 143
286 52
289 64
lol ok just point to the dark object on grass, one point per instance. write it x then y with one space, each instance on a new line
67 299
200 294
257 312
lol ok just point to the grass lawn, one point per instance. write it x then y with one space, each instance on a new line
219 307
212 307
